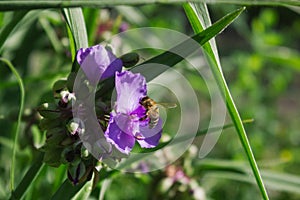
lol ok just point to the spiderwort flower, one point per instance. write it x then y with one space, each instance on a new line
127 124
98 63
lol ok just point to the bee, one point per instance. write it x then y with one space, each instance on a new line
152 110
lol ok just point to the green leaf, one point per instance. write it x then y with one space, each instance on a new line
84 192
39 4
76 23
29 177
56 43
67 190
198 23
9 26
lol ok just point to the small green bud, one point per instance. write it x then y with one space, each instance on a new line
84 152
76 126
130 59
58 86
76 172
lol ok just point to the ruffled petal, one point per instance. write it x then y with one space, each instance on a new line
149 138
120 132
130 89
98 63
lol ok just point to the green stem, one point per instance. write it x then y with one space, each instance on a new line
8 5
22 93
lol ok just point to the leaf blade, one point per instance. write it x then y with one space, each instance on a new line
215 66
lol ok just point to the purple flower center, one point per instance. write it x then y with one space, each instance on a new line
125 125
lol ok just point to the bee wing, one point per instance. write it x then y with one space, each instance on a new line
168 105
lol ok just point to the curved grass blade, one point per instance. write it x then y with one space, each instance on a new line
44 21
214 63
9 27
17 131
7 5
29 177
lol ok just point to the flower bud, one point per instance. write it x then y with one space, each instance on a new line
130 59
76 126
76 172
58 86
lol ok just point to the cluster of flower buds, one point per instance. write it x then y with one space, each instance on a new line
74 138
63 145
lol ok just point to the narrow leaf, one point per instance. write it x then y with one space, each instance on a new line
67 190
29 177
9 27
214 63
76 23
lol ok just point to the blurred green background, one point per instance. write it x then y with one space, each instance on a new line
261 62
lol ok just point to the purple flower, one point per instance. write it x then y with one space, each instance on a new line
98 63
127 124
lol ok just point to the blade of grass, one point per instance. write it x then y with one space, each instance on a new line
17 131
67 190
76 23
9 27
39 4
84 192
193 16
29 177
91 16
44 21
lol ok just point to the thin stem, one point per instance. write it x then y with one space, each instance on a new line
16 135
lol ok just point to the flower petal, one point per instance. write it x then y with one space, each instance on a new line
130 89
98 63
149 138
115 66
119 133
